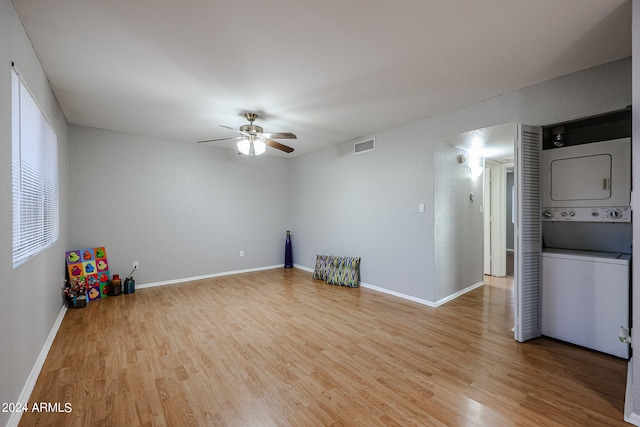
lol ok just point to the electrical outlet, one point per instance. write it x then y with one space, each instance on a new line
241 253
135 265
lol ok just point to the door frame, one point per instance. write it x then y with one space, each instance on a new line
495 234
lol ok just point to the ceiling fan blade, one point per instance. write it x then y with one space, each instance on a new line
236 130
277 145
280 135
220 139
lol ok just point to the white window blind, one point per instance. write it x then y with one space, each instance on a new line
34 164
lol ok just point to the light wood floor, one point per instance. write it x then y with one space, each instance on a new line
276 348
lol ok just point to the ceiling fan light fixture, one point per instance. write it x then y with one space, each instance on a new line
251 147
259 147
244 146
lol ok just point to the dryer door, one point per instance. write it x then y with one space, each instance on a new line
581 178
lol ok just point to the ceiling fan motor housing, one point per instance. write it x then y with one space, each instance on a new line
251 129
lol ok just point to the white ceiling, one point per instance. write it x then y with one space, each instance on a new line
494 142
329 71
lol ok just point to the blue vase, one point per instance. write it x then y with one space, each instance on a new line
288 257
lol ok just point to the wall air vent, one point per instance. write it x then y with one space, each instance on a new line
364 146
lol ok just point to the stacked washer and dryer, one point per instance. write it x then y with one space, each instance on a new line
586 229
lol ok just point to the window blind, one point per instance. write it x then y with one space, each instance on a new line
34 164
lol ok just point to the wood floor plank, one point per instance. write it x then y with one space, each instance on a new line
276 348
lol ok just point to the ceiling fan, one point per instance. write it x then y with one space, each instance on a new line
254 140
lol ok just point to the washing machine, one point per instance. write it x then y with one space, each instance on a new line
585 298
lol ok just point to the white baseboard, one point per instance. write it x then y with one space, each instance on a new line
207 276
310 270
420 300
302 267
457 294
630 416
398 294
14 419
405 296
379 289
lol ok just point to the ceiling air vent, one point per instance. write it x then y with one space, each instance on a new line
364 146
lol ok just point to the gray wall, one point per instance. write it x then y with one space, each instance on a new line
366 205
458 226
181 210
32 293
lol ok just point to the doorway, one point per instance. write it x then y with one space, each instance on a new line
518 146
499 218
496 145
502 252
510 222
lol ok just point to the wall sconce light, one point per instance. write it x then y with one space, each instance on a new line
474 162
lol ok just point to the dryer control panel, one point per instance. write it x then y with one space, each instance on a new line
596 214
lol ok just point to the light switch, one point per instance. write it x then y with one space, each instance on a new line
421 207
